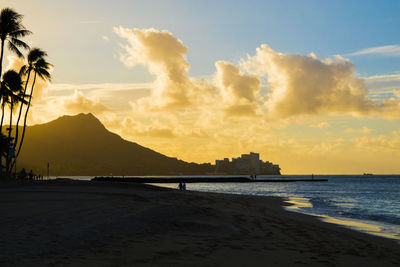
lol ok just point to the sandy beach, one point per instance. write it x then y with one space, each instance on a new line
71 223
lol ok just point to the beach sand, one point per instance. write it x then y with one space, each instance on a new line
71 223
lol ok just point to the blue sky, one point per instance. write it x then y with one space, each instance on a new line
213 30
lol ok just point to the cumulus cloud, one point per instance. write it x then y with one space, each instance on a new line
295 86
52 107
389 143
164 56
302 84
239 91
232 91
78 103
389 108
160 129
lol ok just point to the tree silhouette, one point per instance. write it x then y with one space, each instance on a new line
12 86
34 55
11 30
4 145
4 98
40 68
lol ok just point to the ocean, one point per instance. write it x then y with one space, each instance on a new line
365 203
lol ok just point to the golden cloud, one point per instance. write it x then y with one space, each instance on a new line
164 56
307 85
78 103
239 91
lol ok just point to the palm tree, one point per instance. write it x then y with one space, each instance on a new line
40 68
4 97
4 100
4 146
13 89
34 55
11 30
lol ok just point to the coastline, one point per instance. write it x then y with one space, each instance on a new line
85 223
368 227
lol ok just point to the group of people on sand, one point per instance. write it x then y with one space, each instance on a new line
182 186
31 176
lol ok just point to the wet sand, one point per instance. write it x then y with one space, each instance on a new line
71 223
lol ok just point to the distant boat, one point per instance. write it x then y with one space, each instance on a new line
369 174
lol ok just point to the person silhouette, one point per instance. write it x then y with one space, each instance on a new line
22 175
31 176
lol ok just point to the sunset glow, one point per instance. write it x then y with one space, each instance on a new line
211 86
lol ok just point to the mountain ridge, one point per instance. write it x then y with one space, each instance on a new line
82 145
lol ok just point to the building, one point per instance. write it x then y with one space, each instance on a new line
246 164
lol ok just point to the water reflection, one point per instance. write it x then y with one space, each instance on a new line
298 203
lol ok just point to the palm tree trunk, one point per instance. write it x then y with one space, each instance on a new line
8 159
26 116
20 111
1 131
1 57
2 117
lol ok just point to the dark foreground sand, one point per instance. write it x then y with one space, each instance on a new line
95 224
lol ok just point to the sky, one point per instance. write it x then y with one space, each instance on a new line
313 86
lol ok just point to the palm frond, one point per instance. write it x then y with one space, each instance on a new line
10 21
15 49
21 98
42 63
19 43
18 33
12 82
36 54
23 70
7 14
42 67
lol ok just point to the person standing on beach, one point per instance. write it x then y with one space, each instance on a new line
31 176
22 175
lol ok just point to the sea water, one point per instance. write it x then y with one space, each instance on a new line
366 203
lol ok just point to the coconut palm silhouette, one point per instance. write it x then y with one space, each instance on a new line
34 55
41 69
12 87
11 30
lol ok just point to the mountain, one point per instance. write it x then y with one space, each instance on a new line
81 145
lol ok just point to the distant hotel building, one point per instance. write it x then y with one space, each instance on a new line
246 164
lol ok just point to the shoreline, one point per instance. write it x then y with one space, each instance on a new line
362 226
68 222
292 204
